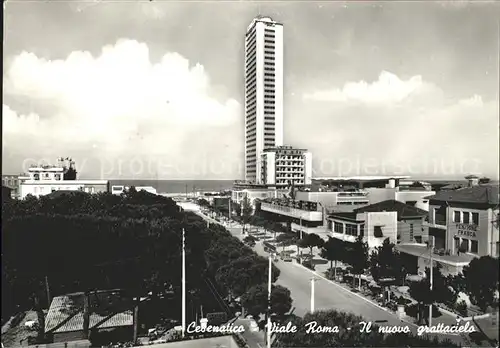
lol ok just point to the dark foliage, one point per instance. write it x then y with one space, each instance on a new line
80 242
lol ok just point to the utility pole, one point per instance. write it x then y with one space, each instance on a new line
312 294
269 288
183 283
47 288
431 276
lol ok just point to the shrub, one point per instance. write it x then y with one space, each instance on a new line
461 308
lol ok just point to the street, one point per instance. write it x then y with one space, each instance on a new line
328 295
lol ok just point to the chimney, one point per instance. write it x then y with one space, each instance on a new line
472 180
86 314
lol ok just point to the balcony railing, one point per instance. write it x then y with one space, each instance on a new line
305 214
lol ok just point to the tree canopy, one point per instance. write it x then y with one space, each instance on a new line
349 333
481 281
255 300
79 241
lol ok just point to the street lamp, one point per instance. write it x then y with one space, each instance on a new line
312 294
269 288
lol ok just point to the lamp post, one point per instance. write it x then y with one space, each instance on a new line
431 247
183 283
312 293
269 288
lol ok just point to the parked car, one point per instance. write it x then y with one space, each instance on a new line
286 256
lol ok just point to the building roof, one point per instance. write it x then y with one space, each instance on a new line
344 216
476 195
404 211
363 178
107 310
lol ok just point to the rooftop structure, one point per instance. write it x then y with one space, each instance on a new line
403 210
106 309
479 194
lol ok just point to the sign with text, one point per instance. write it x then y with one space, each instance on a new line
466 230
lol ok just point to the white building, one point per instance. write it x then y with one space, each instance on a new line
237 195
283 165
347 194
43 180
374 227
263 92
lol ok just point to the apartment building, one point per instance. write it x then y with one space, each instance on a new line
284 166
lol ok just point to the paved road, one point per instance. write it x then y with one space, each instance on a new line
329 295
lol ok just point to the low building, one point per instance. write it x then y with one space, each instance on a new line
107 311
42 188
411 227
463 224
283 166
308 217
253 193
349 193
43 180
374 227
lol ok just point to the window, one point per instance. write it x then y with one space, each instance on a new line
362 230
338 227
329 225
411 232
456 216
464 246
475 218
377 232
351 230
473 246
466 217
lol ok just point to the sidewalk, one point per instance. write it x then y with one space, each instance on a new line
445 318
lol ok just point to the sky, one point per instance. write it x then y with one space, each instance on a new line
154 89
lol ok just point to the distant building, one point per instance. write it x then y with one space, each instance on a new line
119 189
254 193
463 224
374 227
263 91
43 180
283 165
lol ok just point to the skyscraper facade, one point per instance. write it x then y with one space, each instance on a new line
263 92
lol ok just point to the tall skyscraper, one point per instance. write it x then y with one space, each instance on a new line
263 92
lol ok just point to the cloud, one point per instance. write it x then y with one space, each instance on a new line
399 126
116 106
387 89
